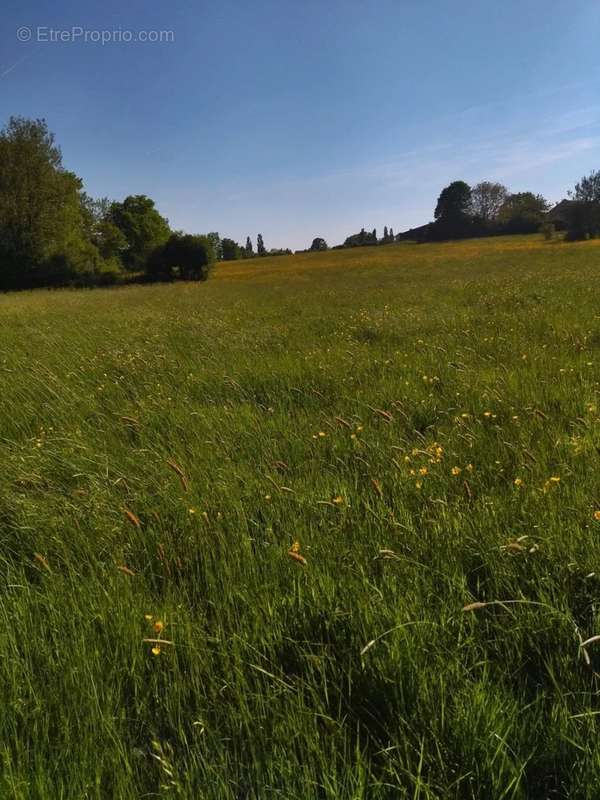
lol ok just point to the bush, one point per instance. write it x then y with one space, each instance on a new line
548 231
182 256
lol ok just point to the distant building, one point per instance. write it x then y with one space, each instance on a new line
559 215
413 234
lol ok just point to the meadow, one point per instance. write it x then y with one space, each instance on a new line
326 526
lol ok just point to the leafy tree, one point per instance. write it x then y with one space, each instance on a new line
584 211
42 228
231 250
260 245
318 244
188 256
453 212
391 234
588 188
142 226
487 199
100 229
522 212
454 201
110 241
249 250
216 244
385 233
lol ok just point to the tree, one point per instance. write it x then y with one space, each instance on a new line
142 226
100 230
260 246
42 227
522 212
249 249
453 212
215 239
388 235
189 256
318 244
454 202
588 188
230 249
487 199
584 211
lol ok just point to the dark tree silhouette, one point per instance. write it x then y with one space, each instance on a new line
189 256
231 250
522 212
584 211
453 212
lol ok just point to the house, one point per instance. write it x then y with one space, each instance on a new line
559 215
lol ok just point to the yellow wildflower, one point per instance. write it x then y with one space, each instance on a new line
156 650
456 471
554 480
294 553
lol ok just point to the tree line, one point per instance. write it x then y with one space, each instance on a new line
231 250
490 209
53 233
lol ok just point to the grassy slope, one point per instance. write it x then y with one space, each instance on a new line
483 356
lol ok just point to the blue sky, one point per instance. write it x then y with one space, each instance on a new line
312 118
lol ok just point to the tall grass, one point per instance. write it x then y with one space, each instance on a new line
419 423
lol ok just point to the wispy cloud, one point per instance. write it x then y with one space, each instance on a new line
527 156
544 155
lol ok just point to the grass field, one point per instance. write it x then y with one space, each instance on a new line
420 424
